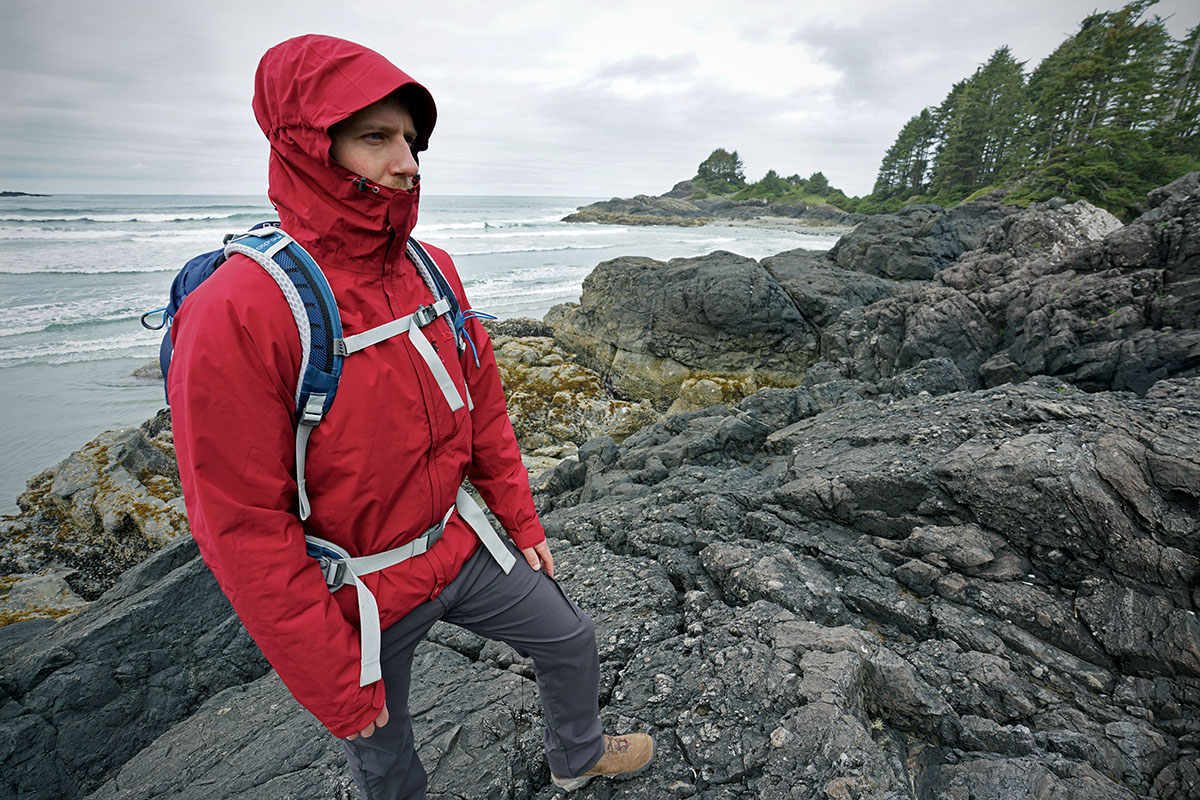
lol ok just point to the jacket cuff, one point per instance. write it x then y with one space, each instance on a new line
528 537
369 714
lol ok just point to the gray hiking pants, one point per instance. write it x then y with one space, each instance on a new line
528 611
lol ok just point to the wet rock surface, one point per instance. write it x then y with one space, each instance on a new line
898 578
648 326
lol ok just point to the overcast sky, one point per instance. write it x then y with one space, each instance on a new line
586 99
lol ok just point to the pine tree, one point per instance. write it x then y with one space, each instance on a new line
905 168
818 184
721 172
1095 103
980 119
1181 123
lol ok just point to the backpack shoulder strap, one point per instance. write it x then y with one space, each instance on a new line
314 310
439 287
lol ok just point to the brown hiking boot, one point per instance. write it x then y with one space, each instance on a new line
624 756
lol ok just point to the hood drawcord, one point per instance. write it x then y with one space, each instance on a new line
362 184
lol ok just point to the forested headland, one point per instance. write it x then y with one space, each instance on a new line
1109 115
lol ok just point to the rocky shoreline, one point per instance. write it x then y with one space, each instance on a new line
674 208
916 518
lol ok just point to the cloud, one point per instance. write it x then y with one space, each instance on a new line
650 67
535 96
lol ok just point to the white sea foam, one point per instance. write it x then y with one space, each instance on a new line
75 269
36 317
66 351
53 234
133 216
489 251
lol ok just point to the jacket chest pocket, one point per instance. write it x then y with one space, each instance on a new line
443 384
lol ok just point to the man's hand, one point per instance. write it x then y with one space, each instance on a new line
539 555
366 732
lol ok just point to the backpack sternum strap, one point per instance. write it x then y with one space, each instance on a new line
411 325
422 317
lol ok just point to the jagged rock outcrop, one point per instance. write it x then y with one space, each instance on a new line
648 326
993 293
641 209
97 513
917 241
81 696
986 594
1058 290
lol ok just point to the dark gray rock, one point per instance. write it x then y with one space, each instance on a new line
1115 308
517 326
984 594
917 241
641 210
680 206
820 289
892 336
85 694
648 326
100 511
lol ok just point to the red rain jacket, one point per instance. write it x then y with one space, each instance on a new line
387 461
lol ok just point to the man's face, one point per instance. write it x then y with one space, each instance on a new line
376 143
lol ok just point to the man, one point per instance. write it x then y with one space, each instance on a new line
384 467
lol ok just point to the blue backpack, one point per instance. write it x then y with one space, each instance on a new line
315 312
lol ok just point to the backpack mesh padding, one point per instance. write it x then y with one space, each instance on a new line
315 307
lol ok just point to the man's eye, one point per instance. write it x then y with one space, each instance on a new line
374 137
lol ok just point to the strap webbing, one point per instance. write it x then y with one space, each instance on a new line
470 511
440 374
355 568
411 325
302 433
359 341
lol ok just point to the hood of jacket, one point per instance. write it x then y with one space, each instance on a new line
303 87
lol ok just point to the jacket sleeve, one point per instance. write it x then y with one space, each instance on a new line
231 385
496 469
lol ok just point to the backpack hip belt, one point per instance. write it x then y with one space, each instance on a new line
340 568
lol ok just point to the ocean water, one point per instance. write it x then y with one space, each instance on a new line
78 271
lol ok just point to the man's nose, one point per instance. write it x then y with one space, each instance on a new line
404 162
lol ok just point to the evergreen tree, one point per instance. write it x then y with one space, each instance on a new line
905 168
1181 123
818 184
980 120
1095 103
721 172
1113 112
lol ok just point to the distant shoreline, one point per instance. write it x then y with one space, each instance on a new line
787 224
23 194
